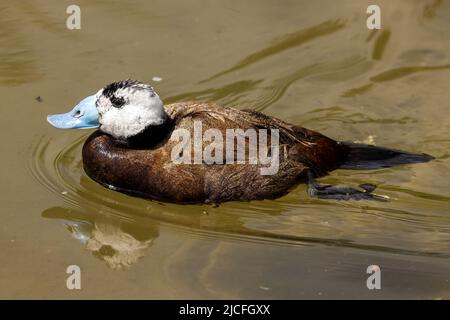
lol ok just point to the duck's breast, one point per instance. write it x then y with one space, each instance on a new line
148 173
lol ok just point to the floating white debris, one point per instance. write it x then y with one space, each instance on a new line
264 288
64 192
157 79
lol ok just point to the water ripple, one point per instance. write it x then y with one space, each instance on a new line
292 220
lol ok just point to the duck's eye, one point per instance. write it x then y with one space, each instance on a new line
117 102
77 114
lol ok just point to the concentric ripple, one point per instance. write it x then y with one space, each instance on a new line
295 219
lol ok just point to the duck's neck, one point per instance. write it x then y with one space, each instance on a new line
150 137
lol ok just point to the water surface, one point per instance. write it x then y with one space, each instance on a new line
312 63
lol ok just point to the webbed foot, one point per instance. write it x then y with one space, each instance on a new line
326 191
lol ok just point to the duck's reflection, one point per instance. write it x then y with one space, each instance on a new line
119 243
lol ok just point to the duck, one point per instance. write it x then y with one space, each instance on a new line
146 149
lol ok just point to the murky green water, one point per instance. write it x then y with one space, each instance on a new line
313 63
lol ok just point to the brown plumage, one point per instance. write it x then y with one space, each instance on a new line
148 171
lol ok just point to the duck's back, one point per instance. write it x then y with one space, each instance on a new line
156 172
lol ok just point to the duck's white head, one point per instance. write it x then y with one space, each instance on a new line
122 109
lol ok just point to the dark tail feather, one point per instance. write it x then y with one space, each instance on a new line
366 157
